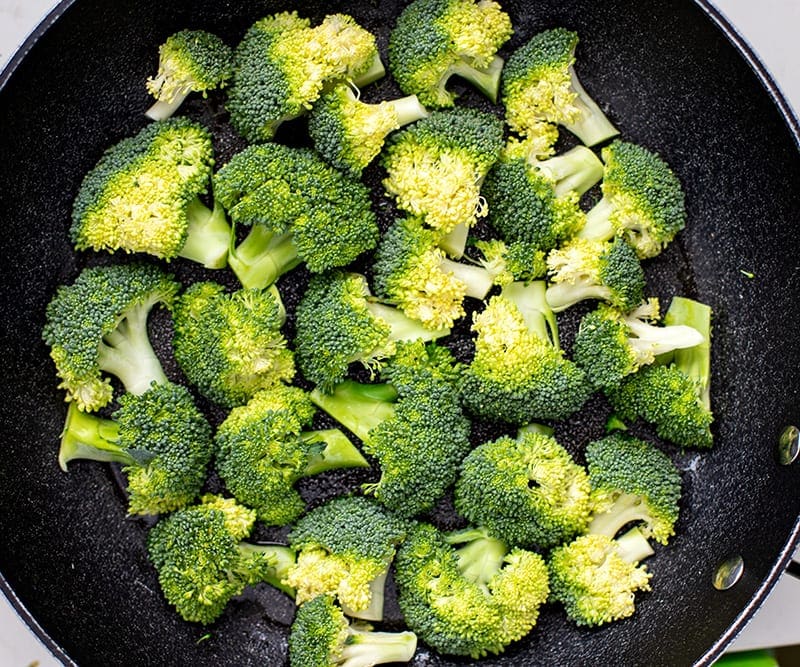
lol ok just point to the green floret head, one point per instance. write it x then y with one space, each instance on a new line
585 269
670 400
229 344
99 325
142 194
632 481
350 133
526 491
518 373
514 261
299 209
262 451
345 548
321 636
201 562
466 593
435 39
540 86
596 577
436 165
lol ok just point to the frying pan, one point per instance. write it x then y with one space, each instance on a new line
672 76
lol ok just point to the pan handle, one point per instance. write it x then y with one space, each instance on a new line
794 569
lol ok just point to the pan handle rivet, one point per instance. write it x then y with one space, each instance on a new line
729 573
789 445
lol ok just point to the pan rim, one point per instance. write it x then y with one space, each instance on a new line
790 117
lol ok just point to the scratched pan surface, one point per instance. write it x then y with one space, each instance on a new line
669 76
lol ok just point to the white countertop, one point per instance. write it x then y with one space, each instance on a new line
771 27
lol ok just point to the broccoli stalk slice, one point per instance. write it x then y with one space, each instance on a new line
263 257
627 508
281 558
477 279
633 546
358 407
561 296
695 361
481 558
648 340
375 71
577 170
374 612
208 235
536 311
331 449
89 437
408 109
455 241
486 80
592 127
598 225
402 327
364 647
161 109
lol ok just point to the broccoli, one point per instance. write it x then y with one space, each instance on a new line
161 439
99 324
350 133
642 201
298 209
607 270
412 272
508 262
189 61
518 373
202 562
338 323
229 344
282 65
262 451
632 481
610 345
595 577
537 201
526 491
412 424
674 397
436 166
322 636
435 39
142 196
344 547
540 86
467 593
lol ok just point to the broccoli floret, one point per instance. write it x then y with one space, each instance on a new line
526 491
610 345
595 577
412 272
674 398
436 166
142 196
99 324
642 201
518 373
338 323
508 262
298 208
435 39
202 562
472 598
413 425
188 61
262 451
282 65
229 344
350 133
322 636
632 481
161 439
607 270
540 86
344 548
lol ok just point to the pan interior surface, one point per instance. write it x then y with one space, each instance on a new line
667 77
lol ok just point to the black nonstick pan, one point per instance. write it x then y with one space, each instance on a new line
671 75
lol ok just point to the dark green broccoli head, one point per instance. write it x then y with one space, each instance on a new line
526 491
230 344
515 261
434 39
99 324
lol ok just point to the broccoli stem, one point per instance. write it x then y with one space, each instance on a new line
477 279
402 327
598 225
652 340
208 235
281 558
533 301
455 241
374 612
486 80
87 436
592 126
363 648
694 361
162 110
127 353
332 449
375 71
561 296
541 429
633 546
577 170
408 109
626 509
358 407
481 558
263 257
